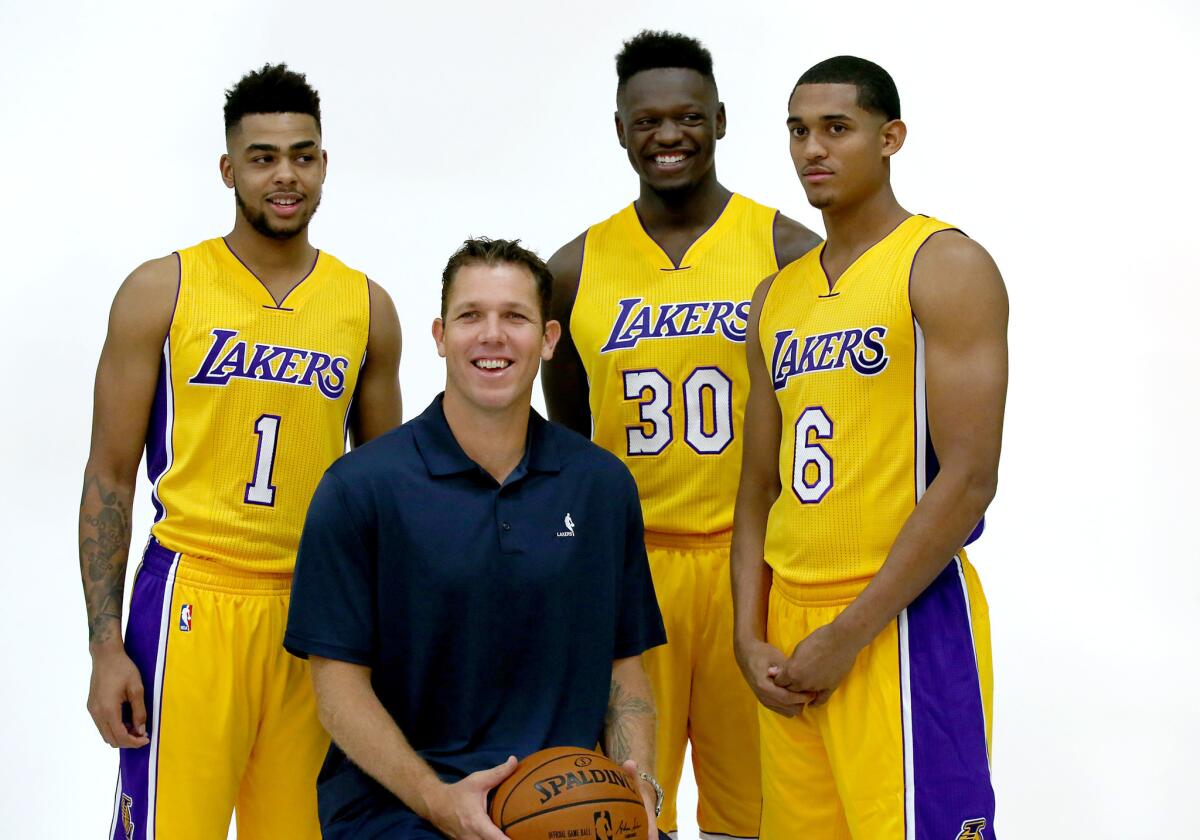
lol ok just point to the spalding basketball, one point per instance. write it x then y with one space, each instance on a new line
569 793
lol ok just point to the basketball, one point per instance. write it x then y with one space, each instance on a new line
569 793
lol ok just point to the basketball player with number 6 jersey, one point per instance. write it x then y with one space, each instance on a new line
653 367
240 365
878 370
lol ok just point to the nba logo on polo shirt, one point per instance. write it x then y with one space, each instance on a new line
185 618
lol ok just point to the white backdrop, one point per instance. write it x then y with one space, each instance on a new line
1059 135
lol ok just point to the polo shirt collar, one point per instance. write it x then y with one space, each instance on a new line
443 456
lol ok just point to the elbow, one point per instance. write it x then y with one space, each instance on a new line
980 488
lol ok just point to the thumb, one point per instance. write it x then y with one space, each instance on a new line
495 775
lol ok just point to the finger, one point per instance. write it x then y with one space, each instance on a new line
781 694
772 671
137 702
106 733
495 775
822 697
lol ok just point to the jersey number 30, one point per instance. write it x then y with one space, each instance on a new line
260 490
707 411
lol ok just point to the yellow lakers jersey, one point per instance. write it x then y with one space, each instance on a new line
848 369
252 405
664 350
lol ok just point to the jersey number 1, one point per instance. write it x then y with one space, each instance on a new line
652 390
260 491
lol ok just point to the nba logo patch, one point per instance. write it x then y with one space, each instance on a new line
185 618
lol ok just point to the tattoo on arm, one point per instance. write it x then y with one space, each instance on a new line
621 721
103 548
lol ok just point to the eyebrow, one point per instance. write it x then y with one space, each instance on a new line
269 147
824 118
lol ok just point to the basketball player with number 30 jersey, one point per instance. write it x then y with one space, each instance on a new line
239 365
878 367
656 299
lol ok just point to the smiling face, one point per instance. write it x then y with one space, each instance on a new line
669 121
840 150
492 336
276 167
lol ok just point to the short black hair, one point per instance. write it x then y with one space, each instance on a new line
272 89
493 252
650 50
876 90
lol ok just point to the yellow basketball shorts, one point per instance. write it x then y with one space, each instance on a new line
901 750
232 716
698 690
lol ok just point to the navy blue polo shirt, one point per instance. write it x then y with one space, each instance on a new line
489 614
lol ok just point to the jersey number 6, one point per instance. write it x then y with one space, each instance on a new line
707 434
809 458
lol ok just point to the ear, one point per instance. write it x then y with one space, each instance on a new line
226 166
324 165
439 336
550 336
620 126
720 120
892 136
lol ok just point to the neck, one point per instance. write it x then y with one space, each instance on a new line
266 256
495 440
695 207
862 223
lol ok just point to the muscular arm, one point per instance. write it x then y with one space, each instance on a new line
759 487
377 406
792 240
564 381
124 394
351 712
959 301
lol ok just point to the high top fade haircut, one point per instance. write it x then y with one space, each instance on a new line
496 252
650 50
876 90
272 89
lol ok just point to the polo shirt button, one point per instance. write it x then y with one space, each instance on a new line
505 526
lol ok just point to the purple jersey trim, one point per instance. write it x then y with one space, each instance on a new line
279 304
149 622
951 773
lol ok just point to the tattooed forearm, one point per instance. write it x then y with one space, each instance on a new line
103 549
628 723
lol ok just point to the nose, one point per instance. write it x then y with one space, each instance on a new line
285 173
812 148
493 332
668 133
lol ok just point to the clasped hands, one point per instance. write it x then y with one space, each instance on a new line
786 684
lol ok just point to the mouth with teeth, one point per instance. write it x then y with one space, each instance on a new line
670 160
284 205
491 364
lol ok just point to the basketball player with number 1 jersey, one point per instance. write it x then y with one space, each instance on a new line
239 365
656 300
878 366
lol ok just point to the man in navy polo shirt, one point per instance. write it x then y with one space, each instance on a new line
473 585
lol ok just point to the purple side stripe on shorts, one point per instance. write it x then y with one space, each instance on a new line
951 775
145 642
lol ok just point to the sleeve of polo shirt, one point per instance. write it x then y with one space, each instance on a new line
332 610
639 622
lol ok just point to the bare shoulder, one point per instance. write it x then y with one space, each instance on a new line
385 323
792 240
146 300
566 266
762 290
952 271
